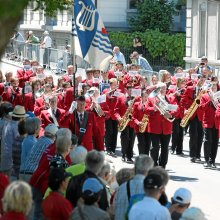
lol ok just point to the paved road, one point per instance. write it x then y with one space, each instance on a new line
203 183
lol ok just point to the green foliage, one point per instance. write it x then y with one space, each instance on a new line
51 6
170 47
153 14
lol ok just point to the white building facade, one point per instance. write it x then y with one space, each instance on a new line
203 32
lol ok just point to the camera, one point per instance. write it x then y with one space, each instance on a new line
202 64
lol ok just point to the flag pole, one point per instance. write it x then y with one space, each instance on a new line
74 64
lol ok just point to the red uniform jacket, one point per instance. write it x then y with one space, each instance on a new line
217 118
121 107
23 76
29 102
139 110
39 106
157 123
208 119
2 87
187 100
68 98
13 98
47 119
91 132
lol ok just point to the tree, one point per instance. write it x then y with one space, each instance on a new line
153 14
11 12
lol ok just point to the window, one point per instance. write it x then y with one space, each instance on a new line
132 4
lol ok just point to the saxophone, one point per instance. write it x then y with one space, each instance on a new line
126 117
144 123
192 109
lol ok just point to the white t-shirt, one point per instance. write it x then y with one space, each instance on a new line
150 209
47 41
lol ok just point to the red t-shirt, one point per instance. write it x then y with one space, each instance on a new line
56 207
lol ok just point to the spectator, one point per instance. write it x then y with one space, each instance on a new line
18 43
56 206
143 164
149 207
118 56
32 42
193 213
137 45
31 162
46 44
204 64
91 195
16 149
9 134
17 201
180 202
141 61
32 127
94 163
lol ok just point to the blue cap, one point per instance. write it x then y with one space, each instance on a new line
92 185
31 114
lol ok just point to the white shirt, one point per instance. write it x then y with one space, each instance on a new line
47 41
150 209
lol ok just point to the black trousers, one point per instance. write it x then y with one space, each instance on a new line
127 142
177 137
210 144
160 141
144 142
196 137
111 133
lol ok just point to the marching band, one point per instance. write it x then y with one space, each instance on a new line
154 109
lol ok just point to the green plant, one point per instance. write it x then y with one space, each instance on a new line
170 47
153 14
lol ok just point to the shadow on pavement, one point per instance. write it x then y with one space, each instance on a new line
183 178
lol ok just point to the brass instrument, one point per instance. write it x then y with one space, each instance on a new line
126 117
192 109
144 123
40 92
162 105
214 99
111 91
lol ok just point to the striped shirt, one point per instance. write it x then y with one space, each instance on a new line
35 155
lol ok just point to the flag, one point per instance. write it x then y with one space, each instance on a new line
90 36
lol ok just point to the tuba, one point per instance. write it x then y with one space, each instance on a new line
144 123
162 105
126 117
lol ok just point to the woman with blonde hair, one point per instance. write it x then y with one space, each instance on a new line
17 201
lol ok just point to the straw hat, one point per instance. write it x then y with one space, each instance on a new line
18 112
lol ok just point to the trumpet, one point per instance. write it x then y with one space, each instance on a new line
40 92
110 92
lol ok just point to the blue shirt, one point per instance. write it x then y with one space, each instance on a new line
26 147
120 57
31 163
143 63
121 199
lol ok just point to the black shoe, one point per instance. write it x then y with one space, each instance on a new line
213 165
129 160
207 164
123 159
172 151
180 154
198 159
113 154
193 160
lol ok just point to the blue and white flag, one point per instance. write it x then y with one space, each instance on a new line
90 36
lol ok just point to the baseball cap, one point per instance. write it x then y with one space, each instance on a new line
52 129
182 196
92 185
57 175
204 58
153 181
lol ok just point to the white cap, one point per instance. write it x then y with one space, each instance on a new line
30 32
52 129
46 33
182 196
193 213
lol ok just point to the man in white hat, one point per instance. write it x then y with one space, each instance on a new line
9 134
46 44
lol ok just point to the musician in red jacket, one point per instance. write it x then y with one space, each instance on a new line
84 126
111 124
177 135
159 126
210 126
195 126
139 111
25 73
52 115
127 135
